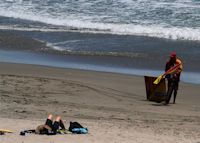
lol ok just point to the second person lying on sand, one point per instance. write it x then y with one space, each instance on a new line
51 127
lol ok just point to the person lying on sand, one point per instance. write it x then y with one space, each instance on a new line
51 127
56 127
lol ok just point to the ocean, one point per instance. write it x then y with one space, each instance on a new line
121 36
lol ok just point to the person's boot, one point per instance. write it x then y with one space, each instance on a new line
175 93
168 96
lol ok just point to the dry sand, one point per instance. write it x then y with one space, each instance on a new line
112 106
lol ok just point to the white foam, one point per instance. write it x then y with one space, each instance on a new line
175 33
19 28
156 30
65 42
53 46
59 48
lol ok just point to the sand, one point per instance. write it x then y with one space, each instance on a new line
112 106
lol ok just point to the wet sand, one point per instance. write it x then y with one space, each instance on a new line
112 106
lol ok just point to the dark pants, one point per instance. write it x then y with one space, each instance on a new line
55 126
172 87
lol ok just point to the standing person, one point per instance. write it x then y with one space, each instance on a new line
174 77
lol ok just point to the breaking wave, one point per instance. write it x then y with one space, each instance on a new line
177 20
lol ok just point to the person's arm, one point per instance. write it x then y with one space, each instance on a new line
178 61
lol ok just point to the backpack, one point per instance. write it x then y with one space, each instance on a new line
77 128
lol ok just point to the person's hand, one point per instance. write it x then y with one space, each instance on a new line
175 76
167 76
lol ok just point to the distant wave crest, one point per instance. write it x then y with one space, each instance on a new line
159 31
177 19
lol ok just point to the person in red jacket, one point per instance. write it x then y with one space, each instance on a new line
174 77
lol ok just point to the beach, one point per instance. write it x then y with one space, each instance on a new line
86 61
112 106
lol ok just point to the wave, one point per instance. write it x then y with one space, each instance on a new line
159 31
54 48
177 19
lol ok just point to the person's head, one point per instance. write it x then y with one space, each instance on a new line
173 57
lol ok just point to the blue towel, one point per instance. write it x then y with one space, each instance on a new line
80 130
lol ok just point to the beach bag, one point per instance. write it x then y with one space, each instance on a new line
77 128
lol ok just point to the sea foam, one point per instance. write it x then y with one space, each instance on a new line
96 23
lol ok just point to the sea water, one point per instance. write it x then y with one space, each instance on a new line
123 36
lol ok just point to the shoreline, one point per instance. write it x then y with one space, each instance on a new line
120 50
115 105
186 77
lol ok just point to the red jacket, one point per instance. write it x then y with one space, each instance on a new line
177 73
